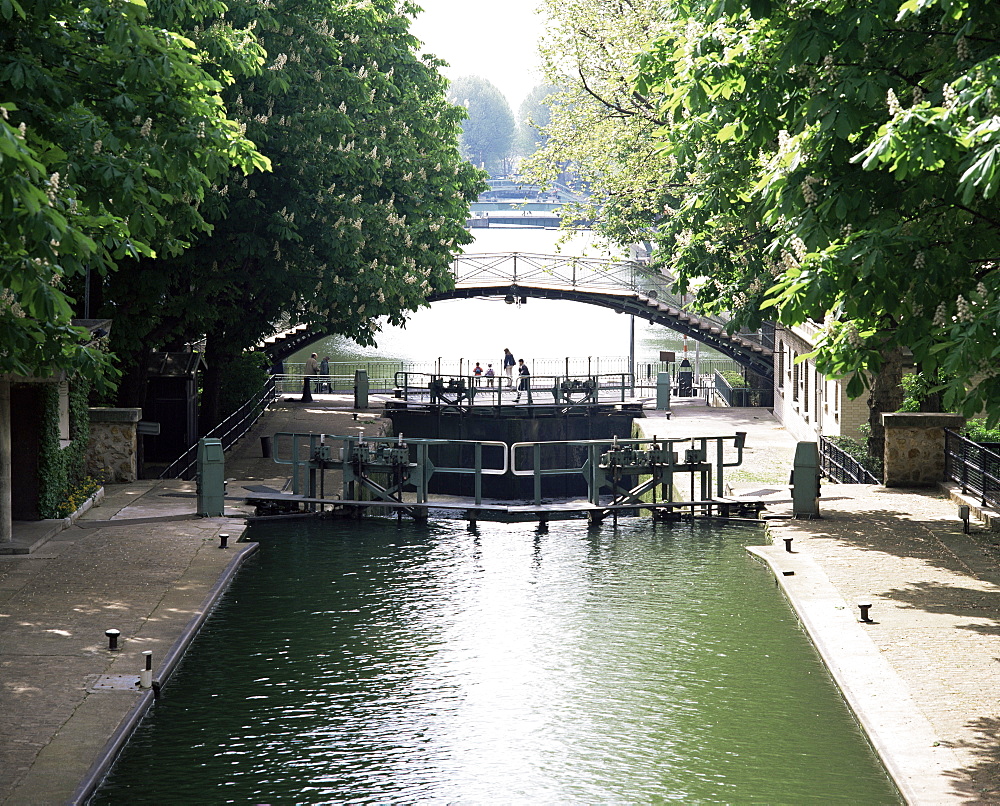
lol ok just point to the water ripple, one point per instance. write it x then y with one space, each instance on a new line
376 663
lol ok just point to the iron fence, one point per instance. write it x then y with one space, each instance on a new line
382 372
839 466
973 465
228 431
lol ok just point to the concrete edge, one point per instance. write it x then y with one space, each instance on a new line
989 517
901 735
106 758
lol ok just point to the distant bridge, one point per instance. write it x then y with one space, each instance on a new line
623 286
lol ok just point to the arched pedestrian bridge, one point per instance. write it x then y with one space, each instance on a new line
623 286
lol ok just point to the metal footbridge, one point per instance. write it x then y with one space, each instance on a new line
624 286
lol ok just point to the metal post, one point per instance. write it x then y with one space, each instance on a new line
718 479
479 472
697 362
422 462
631 355
537 450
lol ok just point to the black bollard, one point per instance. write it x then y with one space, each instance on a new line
112 639
864 607
223 540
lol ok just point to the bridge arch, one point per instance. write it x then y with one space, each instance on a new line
623 286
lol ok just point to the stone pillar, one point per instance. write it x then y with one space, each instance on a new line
6 504
111 454
914 447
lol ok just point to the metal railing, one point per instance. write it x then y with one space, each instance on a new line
974 466
382 373
839 466
304 452
413 462
695 458
466 390
502 269
228 431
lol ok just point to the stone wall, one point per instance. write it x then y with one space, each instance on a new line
111 454
914 447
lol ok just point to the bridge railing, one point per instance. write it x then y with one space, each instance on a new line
382 374
470 390
564 271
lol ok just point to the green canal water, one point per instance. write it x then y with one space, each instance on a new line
381 663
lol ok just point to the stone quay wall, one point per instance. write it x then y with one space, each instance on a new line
112 452
914 447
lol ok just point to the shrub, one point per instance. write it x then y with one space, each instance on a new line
61 469
734 379
977 431
78 496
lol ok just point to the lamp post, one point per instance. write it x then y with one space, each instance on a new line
631 355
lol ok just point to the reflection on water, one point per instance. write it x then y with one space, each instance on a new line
380 663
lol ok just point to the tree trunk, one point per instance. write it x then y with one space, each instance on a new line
886 395
220 353
211 385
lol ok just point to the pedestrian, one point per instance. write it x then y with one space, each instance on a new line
523 380
477 371
489 375
324 370
508 366
312 367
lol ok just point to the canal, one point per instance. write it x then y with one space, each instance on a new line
375 662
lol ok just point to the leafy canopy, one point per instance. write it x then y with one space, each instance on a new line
871 177
112 132
825 162
365 203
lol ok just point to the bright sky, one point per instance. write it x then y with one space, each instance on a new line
496 40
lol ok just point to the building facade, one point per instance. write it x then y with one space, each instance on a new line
806 402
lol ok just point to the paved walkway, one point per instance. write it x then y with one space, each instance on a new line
922 677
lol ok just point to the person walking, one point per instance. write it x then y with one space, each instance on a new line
324 371
478 373
523 380
508 366
312 367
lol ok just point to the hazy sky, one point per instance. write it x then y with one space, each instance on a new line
495 40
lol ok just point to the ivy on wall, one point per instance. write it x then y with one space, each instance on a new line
61 470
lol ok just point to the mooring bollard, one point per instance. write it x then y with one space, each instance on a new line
788 543
964 512
864 607
146 674
223 540
112 639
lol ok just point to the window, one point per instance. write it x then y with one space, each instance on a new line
64 438
805 386
781 364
